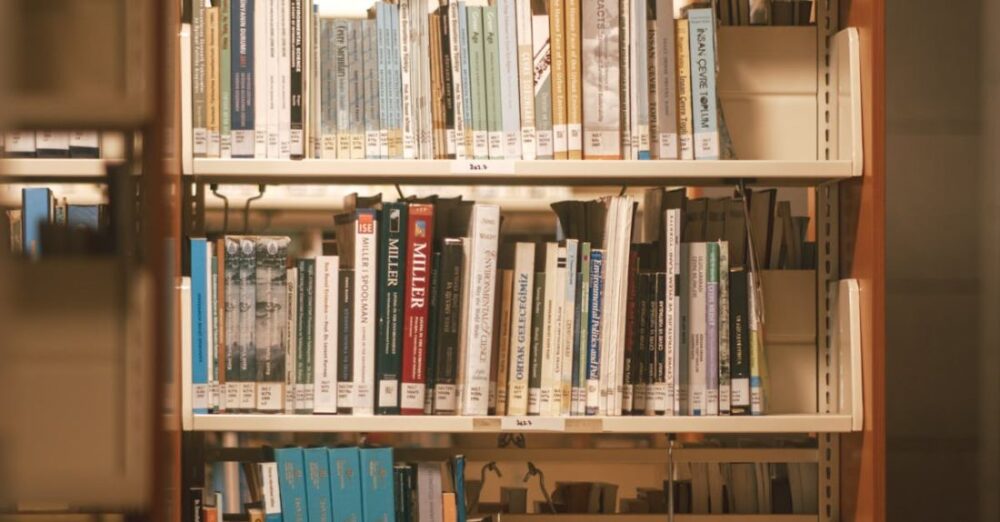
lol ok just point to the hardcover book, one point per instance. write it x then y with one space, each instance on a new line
574 80
317 484
448 327
377 485
345 484
305 361
292 484
557 45
416 305
271 492
271 320
392 276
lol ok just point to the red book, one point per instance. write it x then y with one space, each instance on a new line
416 307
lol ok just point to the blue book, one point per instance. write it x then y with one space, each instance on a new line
37 208
83 216
242 82
318 484
703 94
594 327
345 484
458 472
200 279
377 485
291 484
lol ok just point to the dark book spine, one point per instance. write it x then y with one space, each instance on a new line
345 344
297 136
449 96
640 355
399 490
300 337
391 283
272 256
535 358
433 319
308 289
445 393
739 342
577 395
631 337
658 380
242 61
418 243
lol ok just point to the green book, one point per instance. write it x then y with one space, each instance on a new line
494 114
537 328
304 363
477 73
391 283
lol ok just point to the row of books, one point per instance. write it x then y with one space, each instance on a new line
766 12
50 144
470 79
419 308
54 226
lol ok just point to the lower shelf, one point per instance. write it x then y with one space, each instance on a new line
660 517
804 423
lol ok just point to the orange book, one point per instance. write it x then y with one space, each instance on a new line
449 511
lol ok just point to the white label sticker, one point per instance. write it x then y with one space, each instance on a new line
413 396
388 393
248 395
199 398
445 398
533 424
482 167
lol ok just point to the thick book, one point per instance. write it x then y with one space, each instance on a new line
270 486
703 91
477 79
551 328
198 74
391 305
510 108
520 328
201 257
294 395
601 70
305 339
416 301
377 485
325 334
491 46
242 97
271 320
429 488
317 482
365 288
477 334
261 77
292 484
448 327
594 320
739 341
345 484
526 78
557 49
248 318
574 80
665 72
542 55
685 122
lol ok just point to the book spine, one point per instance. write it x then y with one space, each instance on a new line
503 357
297 50
198 79
383 21
697 318
243 79
477 78
260 76
712 332
377 484
341 90
683 359
52 144
651 78
325 334
478 333
640 78
558 333
373 137
365 288
82 144
494 123
345 341
200 313
510 110
739 346
405 28
329 75
438 125
392 304
20 144
424 131
415 318
557 46
345 483
520 329
274 73
433 322
635 329
526 78
285 79
292 484
542 64
455 14
452 264
550 328
356 86
568 316
317 484
467 97
308 326
658 395
672 255
231 322
601 118
666 80
272 256
248 318
725 381
215 376
594 328
311 80
212 72
582 336
293 356
270 492
225 78
685 136
756 348
703 96
537 343
630 149
447 79
303 356
396 133
574 81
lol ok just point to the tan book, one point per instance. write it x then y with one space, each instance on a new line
557 46
574 82
685 126
439 134
212 116
449 510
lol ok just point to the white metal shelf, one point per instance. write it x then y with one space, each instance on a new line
801 423
54 168
654 517
517 172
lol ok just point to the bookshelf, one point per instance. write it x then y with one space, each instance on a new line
801 104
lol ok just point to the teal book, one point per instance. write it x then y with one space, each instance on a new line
345 484
391 283
377 485
291 484
318 485
458 476
200 313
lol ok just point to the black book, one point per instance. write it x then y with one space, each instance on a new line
391 282
735 232
345 343
739 341
637 356
659 370
716 224
762 225
449 322
695 221
537 329
449 96
300 11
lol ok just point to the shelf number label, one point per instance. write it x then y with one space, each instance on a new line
482 167
532 424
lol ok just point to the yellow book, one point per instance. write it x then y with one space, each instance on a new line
449 511
574 82
684 124
212 116
557 45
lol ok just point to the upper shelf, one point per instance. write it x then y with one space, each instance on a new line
516 172
28 170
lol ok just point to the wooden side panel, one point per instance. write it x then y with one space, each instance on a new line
862 215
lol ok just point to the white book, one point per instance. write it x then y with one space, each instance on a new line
270 489
325 334
520 328
273 79
188 392
198 76
52 143
618 229
20 143
406 62
558 332
319 82
81 140
284 79
601 66
261 95
526 78
458 94
365 291
509 79
550 330
293 390
697 329
724 362
672 223
484 229
341 90
327 74
630 148
640 80
429 485
356 89
370 63
542 55
568 316
247 333
666 81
